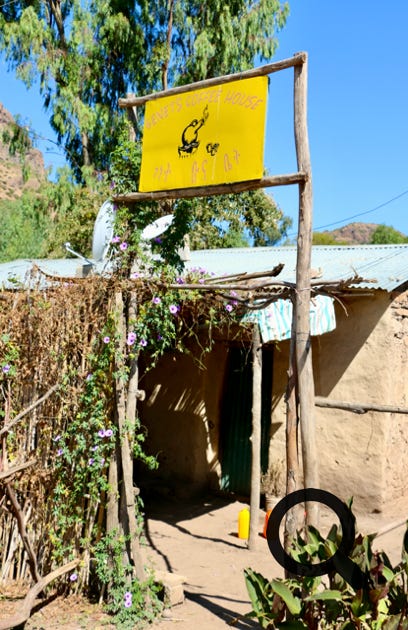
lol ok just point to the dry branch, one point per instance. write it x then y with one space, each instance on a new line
29 600
5 474
28 409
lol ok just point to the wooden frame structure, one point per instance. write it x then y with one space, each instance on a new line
300 395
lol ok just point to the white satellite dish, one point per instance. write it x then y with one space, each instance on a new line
103 231
157 227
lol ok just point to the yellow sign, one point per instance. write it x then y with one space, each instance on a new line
209 136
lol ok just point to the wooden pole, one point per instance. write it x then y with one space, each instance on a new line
255 437
128 513
292 446
302 299
215 189
357 407
270 68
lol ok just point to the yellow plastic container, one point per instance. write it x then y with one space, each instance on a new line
243 523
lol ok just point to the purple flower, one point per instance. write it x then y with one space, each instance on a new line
101 433
102 461
156 300
173 309
112 185
180 280
89 377
90 461
94 448
106 339
159 337
158 240
234 293
115 239
108 433
229 307
123 246
131 338
73 577
143 343
201 280
135 275
128 599
57 438
6 368
59 452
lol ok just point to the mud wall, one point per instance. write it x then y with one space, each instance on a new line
360 455
181 413
364 360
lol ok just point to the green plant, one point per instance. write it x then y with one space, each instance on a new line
317 604
133 604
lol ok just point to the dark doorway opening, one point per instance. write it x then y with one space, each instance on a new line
235 428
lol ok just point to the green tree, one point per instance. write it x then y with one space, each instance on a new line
86 55
39 223
386 234
325 238
23 226
220 222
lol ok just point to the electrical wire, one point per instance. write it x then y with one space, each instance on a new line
355 216
360 214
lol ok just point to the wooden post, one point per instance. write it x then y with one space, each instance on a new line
255 437
302 299
292 446
128 507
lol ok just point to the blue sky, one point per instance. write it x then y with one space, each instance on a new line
357 111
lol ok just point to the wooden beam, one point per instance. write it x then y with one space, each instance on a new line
134 101
207 191
303 345
357 407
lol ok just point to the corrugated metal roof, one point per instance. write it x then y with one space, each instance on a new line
17 273
386 264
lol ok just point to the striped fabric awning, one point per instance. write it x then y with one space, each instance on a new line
275 321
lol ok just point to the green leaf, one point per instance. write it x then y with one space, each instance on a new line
293 603
388 574
324 595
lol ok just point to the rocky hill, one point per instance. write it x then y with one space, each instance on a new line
12 181
353 233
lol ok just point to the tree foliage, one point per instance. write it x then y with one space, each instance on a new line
85 55
386 234
325 238
39 223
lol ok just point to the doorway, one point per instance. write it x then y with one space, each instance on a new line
236 420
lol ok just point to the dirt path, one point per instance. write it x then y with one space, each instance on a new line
197 539
199 542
